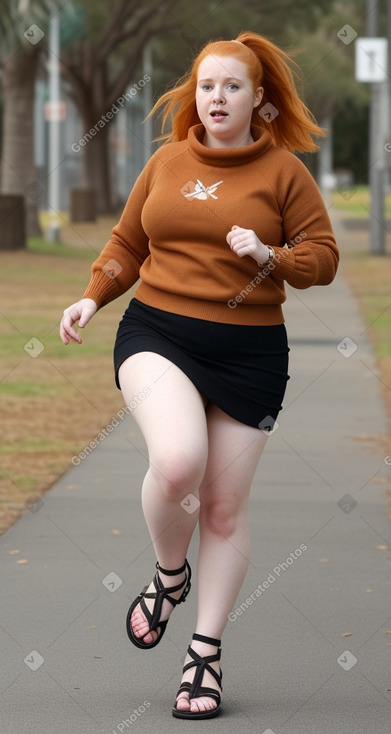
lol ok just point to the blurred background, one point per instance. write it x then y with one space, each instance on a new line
77 79
92 68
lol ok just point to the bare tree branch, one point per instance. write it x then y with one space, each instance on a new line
124 76
134 29
80 90
108 40
116 34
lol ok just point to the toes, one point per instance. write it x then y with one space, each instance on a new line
140 627
143 632
148 638
195 704
183 703
202 704
139 624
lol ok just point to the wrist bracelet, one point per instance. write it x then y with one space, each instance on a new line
270 259
271 256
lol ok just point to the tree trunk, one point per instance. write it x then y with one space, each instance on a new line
96 163
18 167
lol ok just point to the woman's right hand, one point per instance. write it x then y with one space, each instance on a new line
82 311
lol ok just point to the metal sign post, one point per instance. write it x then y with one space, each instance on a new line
371 66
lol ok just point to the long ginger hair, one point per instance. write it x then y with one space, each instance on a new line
268 66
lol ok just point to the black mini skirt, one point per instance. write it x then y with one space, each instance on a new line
241 369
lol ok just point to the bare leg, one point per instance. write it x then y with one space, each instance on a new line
173 422
234 452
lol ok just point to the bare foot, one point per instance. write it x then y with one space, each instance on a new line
139 623
203 703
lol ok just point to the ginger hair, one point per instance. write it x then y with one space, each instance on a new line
268 66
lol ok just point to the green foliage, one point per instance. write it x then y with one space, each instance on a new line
28 388
355 202
34 445
381 324
73 25
350 130
43 247
16 16
328 63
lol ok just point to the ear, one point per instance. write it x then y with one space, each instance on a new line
258 96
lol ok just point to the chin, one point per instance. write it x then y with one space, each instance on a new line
220 132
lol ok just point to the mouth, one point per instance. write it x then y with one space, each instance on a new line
218 114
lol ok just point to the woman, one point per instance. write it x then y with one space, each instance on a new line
221 216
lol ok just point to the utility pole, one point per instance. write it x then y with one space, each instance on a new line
53 232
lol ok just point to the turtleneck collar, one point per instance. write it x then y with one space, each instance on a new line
225 157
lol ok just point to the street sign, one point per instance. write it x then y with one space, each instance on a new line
371 59
55 111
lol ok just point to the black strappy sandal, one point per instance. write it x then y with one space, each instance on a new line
195 689
159 595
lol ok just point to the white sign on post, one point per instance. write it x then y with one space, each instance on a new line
371 59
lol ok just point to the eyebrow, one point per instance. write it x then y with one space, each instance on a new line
228 79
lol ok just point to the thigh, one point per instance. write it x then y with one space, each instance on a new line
234 453
172 415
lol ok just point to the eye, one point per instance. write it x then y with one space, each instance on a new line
233 87
206 87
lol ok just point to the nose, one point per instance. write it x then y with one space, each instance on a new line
218 96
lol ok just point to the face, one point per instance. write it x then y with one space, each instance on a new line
225 100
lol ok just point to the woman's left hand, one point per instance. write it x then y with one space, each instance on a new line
245 242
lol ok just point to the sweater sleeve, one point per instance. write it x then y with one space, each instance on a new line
311 257
117 267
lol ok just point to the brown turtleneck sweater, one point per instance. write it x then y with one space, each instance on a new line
172 232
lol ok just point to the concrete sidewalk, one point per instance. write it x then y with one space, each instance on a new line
306 650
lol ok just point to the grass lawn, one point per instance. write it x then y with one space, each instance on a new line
369 277
355 202
55 398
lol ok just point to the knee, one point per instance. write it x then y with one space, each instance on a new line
177 475
222 517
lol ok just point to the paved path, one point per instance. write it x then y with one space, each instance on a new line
306 650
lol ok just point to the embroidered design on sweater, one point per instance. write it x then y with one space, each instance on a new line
199 191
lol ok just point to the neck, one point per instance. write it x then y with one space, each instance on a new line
239 142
